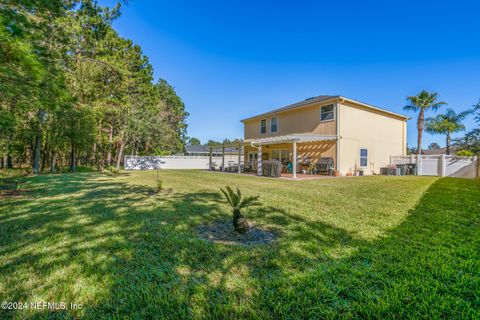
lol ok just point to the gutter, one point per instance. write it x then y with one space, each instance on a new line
337 127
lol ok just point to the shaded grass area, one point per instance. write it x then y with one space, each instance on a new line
371 247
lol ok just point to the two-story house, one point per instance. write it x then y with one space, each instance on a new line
358 136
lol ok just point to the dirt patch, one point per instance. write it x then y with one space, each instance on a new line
223 232
153 192
9 189
13 193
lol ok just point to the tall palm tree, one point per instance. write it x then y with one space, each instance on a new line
423 101
447 124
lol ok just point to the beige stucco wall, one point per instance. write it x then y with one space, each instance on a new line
380 134
302 120
383 134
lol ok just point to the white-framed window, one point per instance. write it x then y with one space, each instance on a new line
363 157
263 126
273 124
327 113
252 159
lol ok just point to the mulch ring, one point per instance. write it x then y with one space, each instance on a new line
223 232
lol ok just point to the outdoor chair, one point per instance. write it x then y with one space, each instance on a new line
325 166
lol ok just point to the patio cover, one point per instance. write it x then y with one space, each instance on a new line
290 138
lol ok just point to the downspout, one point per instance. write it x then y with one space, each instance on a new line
259 157
337 127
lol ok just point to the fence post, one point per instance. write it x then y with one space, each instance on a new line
475 167
210 159
223 156
443 164
239 158
419 164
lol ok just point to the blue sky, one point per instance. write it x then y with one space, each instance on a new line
233 59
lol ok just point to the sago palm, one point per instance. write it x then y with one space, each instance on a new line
423 101
447 124
238 202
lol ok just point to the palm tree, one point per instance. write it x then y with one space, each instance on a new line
476 111
238 202
447 124
423 101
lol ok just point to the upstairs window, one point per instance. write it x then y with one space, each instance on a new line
327 113
273 124
263 126
363 157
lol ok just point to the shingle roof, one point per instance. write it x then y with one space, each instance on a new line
305 102
196 148
206 149
322 98
434 152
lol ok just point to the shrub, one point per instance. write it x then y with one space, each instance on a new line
238 202
113 170
158 184
465 153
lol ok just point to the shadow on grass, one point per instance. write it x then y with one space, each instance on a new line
125 254
425 268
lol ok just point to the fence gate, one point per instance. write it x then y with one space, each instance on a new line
441 165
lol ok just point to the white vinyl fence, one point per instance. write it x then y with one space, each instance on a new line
176 162
441 165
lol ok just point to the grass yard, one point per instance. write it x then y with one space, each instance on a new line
368 247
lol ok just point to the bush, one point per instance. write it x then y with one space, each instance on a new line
465 153
113 170
238 202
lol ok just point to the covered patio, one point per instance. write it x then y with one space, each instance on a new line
298 176
311 144
294 149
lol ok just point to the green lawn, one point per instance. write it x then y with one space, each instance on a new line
367 247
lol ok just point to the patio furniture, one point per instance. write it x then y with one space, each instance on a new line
390 171
233 168
214 166
290 167
408 168
272 168
325 166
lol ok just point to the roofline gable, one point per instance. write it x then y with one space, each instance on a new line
323 99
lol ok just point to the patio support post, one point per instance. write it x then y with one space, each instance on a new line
239 157
223 156
210 159
259 160
294 164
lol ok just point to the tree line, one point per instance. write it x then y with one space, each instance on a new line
73 92
192 141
